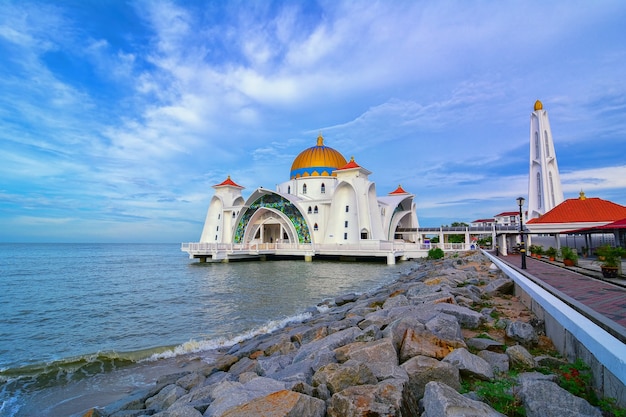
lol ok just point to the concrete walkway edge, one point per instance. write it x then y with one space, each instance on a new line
606 348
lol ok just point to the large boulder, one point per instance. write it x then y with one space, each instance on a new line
470 364
546 399
340 376
522 332
442 401
423 369
520 357
423 342
231 394
280 404
382 399
380 356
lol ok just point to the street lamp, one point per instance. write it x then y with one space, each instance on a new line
520 203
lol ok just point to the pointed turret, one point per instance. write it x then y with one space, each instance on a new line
544 182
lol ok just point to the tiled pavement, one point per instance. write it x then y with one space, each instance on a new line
606 298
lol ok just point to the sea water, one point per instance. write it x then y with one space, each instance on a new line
81 325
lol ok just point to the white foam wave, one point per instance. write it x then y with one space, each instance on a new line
196 346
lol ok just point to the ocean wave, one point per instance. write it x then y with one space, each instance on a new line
196 346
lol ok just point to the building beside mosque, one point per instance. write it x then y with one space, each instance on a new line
328 207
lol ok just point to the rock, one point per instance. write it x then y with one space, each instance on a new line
397 301
522 332
346 298
190 381
280 404
382 399
481 343
446 327
232 394
423 369
547 399
379 356
466 317
422 342
470 364
499 361
520 357
329 342
165 398
442 401
184 411
499 286
340 376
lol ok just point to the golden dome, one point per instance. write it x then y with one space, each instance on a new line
538 105
319 160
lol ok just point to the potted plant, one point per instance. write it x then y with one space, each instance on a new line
569 255
538 251
585 251
611 260
532 249
551 252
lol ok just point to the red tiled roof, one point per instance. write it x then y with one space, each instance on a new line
508 213
398 190
577 210
228 181
350 165
483 221
620 224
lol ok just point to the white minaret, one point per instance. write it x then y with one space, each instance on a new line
544 182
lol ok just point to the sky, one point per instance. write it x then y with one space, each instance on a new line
118 117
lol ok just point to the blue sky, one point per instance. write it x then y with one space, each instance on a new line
117 117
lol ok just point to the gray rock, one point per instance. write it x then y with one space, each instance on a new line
547 399
520 357
231 394
466 317
382 399
338 376
499 361
442 401
329 342
190 381
423 369
280 404
522 332
470 364
481 343
396 301
165 398
499 286
445 326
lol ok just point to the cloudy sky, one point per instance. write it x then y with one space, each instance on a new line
117 117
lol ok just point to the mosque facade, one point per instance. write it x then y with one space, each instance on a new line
329 206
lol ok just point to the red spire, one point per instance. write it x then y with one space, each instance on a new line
351 164
398 190
229 182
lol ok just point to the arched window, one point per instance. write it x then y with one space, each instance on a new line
323 189
536 145
551 188
347 209
315 210
289 189
315 227
309 210
545 138
218 216
304 189
538 190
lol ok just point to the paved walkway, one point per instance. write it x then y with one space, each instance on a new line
582 284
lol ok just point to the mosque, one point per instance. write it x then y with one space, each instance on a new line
328 208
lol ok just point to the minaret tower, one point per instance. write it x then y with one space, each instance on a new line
544 182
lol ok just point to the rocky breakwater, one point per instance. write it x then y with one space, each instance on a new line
403 350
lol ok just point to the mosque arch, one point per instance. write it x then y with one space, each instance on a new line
284 214
268 225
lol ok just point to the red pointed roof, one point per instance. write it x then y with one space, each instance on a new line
398 190
582 209
350 165
228 182
508 213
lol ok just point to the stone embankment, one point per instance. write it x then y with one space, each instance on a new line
403 350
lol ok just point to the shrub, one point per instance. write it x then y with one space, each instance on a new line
435 253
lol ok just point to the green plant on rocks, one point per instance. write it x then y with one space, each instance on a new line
499 395
435 253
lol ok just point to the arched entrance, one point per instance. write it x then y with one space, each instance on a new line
269 226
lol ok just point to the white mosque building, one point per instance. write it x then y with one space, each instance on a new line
329 207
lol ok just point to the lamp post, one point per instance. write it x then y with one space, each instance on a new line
520 203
